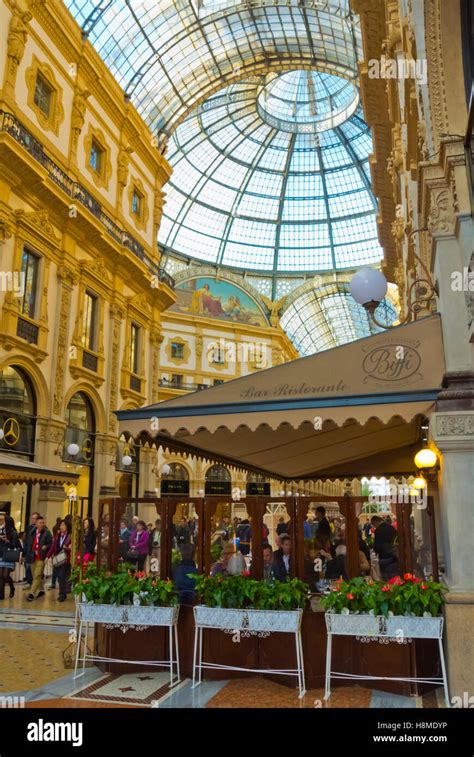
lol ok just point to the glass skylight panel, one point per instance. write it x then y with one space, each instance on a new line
250 256
217 195
344 180
350 203
356 255
354 229
255 206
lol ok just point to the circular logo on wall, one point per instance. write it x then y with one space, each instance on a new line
392 362
11 432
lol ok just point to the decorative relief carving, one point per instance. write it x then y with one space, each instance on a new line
158 207
98 268
436 82
62 348
17 36
441 218
116 314
78 112
5 230
39 220
123 162
455 425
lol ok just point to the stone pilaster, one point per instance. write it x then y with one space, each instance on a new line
67 280
453 433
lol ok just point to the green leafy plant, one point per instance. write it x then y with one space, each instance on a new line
103 587
407 596
175 557
216 551
240 592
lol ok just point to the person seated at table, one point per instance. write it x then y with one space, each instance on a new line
336 567
281 559
268 574
311 575
230 562
185 584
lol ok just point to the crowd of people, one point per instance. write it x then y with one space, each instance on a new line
140 545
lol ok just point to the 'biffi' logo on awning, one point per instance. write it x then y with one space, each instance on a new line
392 362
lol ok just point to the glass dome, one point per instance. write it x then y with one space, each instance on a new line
271 174
307 101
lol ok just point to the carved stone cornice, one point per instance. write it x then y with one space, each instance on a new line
67 276
38 222
457 391
443 190
436 79
453 431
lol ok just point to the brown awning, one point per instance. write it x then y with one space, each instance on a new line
14 470
354 409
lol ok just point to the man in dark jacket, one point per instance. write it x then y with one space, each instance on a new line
186 586
324 529
29 529
183 534
385 546
38 542
281 559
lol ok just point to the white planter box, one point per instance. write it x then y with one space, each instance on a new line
128 615
353 625
268 621
414 628
397 626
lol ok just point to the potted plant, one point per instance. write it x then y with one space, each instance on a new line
400 608
127 597
239 602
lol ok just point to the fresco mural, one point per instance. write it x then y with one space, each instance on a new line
220 299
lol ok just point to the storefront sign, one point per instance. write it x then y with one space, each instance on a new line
260 487
218 487
174 487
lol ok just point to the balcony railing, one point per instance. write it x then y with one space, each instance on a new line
185 387
76 191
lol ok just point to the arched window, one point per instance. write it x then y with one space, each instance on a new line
79 413
17 411
218 480
80 430
218 473
257 484
176 481
16 392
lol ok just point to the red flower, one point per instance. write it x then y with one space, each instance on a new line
386 588
408 577
245 573
139 574
349 596
423 586
396 581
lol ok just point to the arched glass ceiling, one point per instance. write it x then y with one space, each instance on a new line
321 319
246 194
168 55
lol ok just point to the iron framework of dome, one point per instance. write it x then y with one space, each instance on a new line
258 102
271 174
